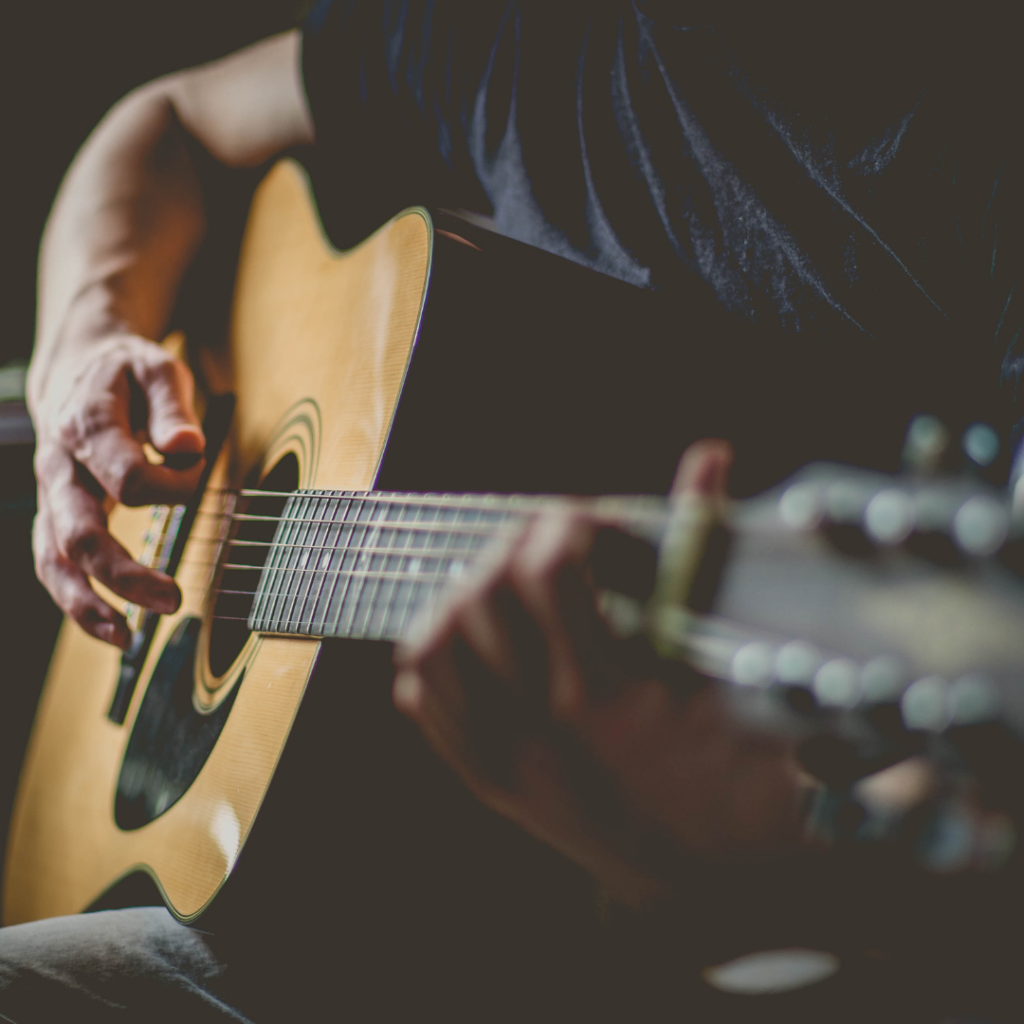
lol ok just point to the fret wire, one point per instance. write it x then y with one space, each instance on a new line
259 599
370 530
257 568
296 603
280 576
384 574
300 569
343 544
404 574
326 511
304 568
330 556
410 585
409 497
322 547
420 548
375 593
400 587
262 581
281 570
348 552
638 509
458 528
278 519
261 605
436 583
197 563
373 582
350 559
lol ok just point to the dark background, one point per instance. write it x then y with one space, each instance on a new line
62 64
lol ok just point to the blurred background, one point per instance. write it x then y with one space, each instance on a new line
63 64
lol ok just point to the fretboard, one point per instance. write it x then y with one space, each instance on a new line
361 564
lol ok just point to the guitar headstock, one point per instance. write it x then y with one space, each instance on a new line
875 618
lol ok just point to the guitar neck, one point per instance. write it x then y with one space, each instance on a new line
361 564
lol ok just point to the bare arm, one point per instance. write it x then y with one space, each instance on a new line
126 222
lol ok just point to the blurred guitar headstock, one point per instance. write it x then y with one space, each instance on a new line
879 619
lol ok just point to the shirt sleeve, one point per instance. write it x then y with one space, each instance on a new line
393 88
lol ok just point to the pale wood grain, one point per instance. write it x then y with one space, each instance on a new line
312 329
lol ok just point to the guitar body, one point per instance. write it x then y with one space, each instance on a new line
287 802
358 316
511 370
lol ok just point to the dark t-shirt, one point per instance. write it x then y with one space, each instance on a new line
850 194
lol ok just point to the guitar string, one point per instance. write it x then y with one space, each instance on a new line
376 588
322 631
245 517
441 574
333 547
632 506
370 529
649 517
351 549
290 599
636 512
377 576
428 531
638 517
410 596
320 590
373 503
485 501
426 554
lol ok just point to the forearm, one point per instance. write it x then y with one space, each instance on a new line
127 219
129 214
125 224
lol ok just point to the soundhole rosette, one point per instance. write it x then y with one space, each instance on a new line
288 462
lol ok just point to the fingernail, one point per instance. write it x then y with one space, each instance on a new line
406 692
112 633
182 460
166 601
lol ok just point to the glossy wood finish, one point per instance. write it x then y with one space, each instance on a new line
320 343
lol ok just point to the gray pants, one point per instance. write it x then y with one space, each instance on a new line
119 965
142 967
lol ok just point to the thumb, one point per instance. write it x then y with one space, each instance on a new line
704 469
172 423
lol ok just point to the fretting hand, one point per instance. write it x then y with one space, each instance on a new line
517 684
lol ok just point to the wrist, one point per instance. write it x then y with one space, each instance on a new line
88 328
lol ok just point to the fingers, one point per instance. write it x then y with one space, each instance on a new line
95 424
91 425
70 589
520 641
167 384
548 577
704 469
471 676
72 543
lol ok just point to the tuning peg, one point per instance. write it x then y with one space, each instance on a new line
925 445
980 443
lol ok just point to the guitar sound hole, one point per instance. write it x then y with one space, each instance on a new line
229 629
170 740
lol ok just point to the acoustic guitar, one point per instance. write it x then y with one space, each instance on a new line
357 448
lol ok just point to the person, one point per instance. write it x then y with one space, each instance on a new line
849 204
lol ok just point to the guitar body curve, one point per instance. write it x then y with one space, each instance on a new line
308 325
518 371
